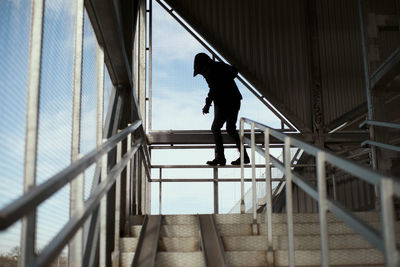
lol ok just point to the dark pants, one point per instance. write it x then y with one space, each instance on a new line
222 115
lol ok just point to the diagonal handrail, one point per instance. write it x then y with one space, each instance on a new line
389 186
35 196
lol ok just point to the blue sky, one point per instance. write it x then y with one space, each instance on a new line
177 102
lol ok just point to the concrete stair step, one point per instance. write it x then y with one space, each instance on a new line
180 259
179 219
246 258
248 218
126 259
179 244
128 244
351 257
299 229
311 242
135 230
297 218
176 230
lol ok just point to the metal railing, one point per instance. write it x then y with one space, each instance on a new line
389 125
31 200
389 187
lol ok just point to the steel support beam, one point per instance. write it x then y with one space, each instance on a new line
315 65
109 33
206 137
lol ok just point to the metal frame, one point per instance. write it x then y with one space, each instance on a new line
389 187
380 124
75 252
28 230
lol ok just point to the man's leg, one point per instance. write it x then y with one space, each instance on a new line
217 124
232 131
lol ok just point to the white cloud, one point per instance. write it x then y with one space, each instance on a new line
171 41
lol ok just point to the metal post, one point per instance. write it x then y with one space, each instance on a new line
103 216
289 200
323 208
150 117
115 255
253 172
100 95
368 93
388 222
268 199
28 231
242 205
160 194
215 178
334 187
75 257
268 188
128 201
142 61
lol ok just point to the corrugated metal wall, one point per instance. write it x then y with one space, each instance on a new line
341 57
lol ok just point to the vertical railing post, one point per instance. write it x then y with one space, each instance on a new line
115 255
103 216
242 206
388 220
28 230
150 64
334 187
268 198
289 200
253 173
128 188
103 161
369 95
75 257
215 178
160 194
323 208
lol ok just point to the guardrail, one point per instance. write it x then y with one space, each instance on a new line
31 200
389 187
390 125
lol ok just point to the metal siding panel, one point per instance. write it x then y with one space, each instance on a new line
341 59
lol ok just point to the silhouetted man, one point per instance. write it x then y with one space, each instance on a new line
226 97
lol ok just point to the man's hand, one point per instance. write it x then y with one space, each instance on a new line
206 109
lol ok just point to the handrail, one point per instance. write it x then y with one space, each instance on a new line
29 201
380 124
389 187
381 145
56 245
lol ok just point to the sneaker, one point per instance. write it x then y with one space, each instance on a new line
215 162
237 162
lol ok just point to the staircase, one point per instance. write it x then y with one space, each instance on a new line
245 243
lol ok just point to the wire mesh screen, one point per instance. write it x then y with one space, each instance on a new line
55 112
108 87
89 97
14 51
